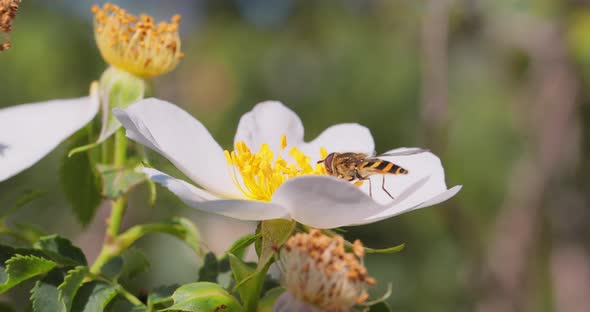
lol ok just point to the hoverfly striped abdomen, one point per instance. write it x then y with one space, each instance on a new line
381 166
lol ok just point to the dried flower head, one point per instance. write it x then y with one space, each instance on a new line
318 271
136 44
8 10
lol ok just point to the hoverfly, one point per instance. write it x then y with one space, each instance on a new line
359 166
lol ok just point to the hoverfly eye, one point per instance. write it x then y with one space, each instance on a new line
328 162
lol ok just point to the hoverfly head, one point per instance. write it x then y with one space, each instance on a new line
328 162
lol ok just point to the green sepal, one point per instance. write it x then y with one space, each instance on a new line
118 89
119 181
273 234
388 250
239 247
249 281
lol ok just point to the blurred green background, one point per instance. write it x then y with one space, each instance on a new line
498 89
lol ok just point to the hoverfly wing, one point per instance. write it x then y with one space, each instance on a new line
407 152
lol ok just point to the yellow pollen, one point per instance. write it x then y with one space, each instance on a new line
136 44
258 175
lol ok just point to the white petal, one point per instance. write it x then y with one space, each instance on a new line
395 210
419 166
182 139
348 137
325 201
28 132
184 190
267 122
200 199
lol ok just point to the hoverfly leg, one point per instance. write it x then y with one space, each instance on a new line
370 188
383 186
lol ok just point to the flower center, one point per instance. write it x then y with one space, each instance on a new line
317 270
258 175
136 45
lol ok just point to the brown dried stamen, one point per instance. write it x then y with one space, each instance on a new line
136 44
8 9
319 271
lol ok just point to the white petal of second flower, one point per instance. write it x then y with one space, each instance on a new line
202 200
182 139
28 132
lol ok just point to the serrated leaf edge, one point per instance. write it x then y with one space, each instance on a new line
69 276
15 258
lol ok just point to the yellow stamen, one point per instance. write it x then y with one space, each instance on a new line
258 175
136 45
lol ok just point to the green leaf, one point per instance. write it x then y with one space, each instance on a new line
113 268
122 305
44 296
134 262
79 182
23 199
127 265
249 281
161 295
118 181
94 297
267 302
203 297
70 286
239 247
273 233
210 269
61 250
20 268
380 307
389 250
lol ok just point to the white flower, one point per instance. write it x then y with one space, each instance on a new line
28 132
269 169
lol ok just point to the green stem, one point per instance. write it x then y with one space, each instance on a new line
118 209
122 291
109 248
